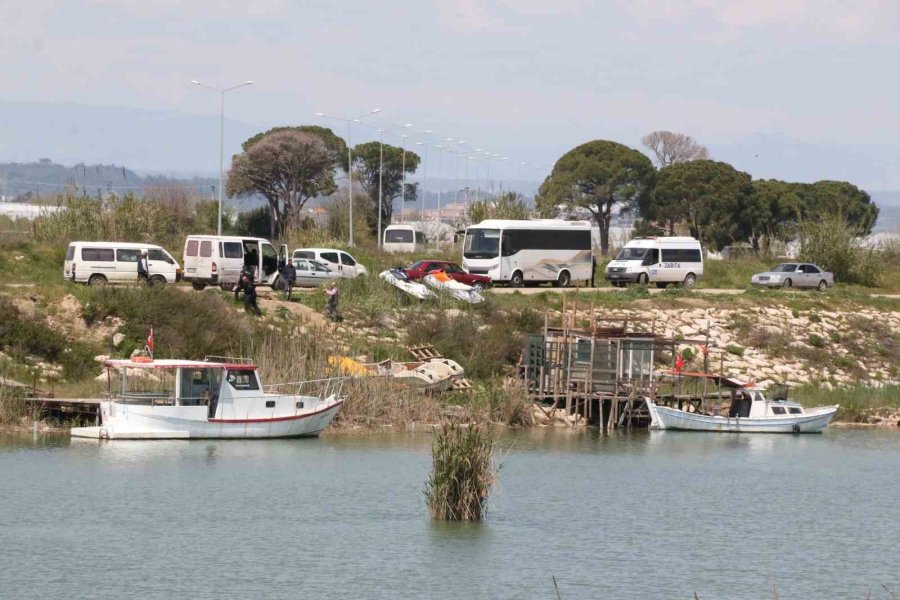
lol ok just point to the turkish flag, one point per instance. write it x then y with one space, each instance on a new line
679 363
150 340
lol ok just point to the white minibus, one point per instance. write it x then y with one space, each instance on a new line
218 260
529 251
98 263
659 260
403 238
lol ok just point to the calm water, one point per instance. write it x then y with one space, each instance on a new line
643 516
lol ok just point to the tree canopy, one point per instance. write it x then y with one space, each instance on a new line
508 205
288 166
671 148
599 176
367 159
710 196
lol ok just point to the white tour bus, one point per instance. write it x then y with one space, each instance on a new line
98 263
659 260
218 260
529 251
403 238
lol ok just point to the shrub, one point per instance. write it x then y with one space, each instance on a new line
834 245
22 336
816 341
462 473
835 337
734 349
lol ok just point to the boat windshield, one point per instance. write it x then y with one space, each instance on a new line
632 254
482 243
242 380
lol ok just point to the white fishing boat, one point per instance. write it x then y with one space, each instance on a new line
459 290
750 412
398 279
183 399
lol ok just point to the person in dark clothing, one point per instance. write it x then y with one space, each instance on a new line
246 285
289 276
143 268
331 303
593 269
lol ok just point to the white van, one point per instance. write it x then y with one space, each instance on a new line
659 260
218 260
336 260
98 263
403 238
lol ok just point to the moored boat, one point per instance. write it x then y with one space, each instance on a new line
750 412
183 399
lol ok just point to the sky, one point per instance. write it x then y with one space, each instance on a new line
795 89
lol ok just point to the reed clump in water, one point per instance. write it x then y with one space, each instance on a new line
462 473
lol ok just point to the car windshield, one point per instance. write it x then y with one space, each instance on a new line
482 243
632 254
785 268
416 265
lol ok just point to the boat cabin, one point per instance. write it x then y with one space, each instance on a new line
181 383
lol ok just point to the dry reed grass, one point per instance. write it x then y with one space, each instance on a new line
463 473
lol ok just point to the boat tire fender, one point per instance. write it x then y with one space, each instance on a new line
796 428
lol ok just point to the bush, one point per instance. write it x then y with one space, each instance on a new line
462 473
834 245
164 219
734 349
185 325
22 336
816 341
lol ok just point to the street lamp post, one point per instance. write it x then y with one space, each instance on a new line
350 160
424 180
221 138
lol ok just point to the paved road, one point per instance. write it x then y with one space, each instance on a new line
537 290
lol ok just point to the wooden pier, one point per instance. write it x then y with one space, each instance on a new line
604 370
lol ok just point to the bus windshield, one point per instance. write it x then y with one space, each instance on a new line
632 254
482 243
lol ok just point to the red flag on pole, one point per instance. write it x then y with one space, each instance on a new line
679 363
150 342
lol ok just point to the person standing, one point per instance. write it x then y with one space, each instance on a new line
289 276
331 304
143 268
246 285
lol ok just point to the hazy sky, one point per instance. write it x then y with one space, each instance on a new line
526 78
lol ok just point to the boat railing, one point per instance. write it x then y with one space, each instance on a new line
319 388
235 360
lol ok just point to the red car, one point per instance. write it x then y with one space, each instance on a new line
424 267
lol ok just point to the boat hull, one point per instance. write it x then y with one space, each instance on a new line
813 421
157 425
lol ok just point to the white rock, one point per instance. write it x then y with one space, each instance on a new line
101 358
117 339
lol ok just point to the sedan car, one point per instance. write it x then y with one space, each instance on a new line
799 275
424 267
312 273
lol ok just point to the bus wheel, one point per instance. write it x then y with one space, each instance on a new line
564 279
643 279
689 281
517 280
97 279
278 284
157 280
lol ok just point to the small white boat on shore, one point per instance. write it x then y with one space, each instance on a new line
457 289
398 279
183 399
750 412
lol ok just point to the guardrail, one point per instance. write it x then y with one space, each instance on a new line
318 388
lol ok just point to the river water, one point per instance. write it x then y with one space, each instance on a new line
660 515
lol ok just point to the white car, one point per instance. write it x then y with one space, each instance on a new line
337 261
312 273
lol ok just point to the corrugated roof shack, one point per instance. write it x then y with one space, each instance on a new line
602 370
